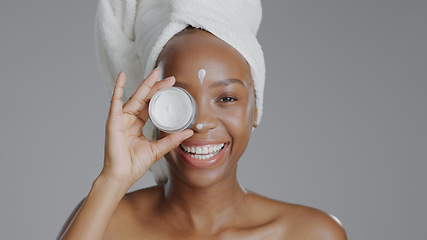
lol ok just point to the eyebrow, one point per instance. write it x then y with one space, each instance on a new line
227 82
221 83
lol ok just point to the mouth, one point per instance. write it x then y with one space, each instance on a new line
202 152
201 156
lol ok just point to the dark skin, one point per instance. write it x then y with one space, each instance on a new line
209 203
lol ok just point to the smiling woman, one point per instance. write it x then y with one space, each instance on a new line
215 57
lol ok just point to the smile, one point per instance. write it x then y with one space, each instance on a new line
202 152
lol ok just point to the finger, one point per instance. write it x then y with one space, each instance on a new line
117 98
143 110
137 100
167 82
165 145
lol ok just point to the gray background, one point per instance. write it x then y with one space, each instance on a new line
344 125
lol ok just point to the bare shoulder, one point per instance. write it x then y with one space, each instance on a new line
311 223
141 201
135 206
301 222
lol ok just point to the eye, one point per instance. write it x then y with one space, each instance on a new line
228 99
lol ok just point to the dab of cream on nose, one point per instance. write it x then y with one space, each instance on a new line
201 75
199 126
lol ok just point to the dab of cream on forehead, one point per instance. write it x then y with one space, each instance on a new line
201 75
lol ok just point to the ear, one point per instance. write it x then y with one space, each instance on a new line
255 117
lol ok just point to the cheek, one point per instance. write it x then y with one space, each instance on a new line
238 126
239 121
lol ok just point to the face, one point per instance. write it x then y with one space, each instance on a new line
219 79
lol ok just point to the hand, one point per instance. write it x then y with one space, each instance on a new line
128 153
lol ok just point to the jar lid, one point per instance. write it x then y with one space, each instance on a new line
172 109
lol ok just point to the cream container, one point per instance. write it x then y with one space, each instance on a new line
172 109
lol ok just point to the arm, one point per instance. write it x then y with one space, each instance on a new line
90 219
70 218
128 156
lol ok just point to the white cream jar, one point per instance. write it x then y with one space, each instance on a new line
172 109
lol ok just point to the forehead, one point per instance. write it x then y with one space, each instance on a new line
196 49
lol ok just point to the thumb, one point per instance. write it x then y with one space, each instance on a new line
164 145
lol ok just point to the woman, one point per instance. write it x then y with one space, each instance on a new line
200 198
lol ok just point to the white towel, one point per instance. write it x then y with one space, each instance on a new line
130 35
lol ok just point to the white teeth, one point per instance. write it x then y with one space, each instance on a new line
203 152
202 157
198 150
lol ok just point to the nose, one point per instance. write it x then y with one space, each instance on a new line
206 119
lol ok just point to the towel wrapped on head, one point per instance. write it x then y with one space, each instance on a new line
130 34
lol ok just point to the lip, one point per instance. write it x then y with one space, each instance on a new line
202 163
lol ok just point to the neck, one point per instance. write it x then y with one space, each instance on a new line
203 209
